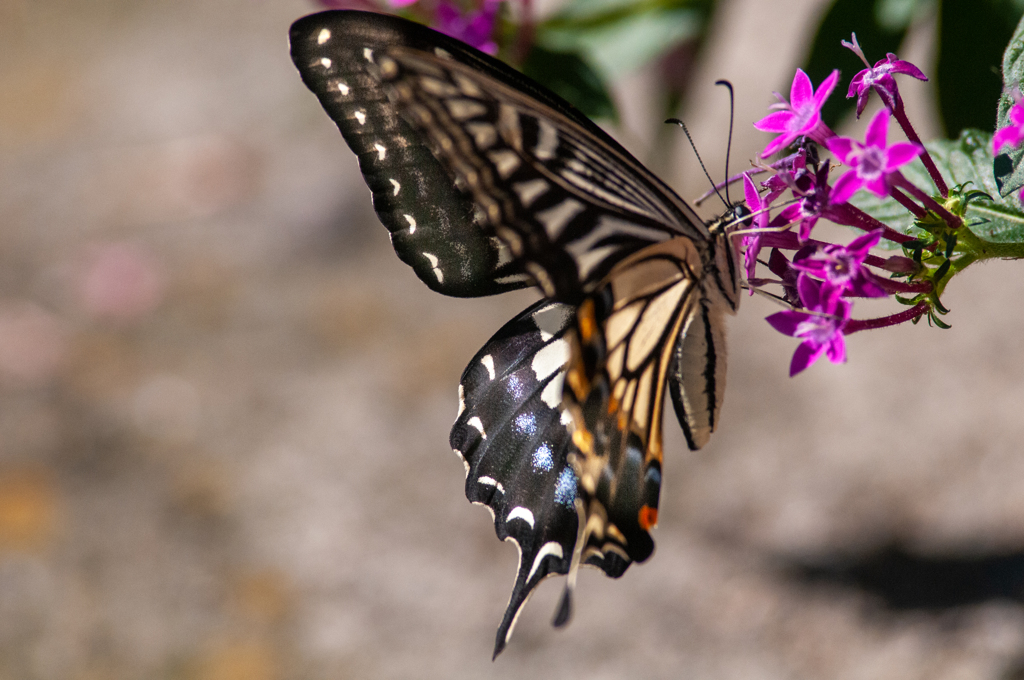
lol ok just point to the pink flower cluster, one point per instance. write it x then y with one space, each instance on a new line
820 279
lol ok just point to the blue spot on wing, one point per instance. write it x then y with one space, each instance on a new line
565 488
526 423
543 458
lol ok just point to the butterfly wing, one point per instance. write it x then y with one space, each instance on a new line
630 271
513 435
568 202
621 352
434 226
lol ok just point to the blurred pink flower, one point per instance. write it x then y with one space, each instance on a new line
32 343
121 281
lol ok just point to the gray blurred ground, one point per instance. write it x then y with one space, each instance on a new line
239 469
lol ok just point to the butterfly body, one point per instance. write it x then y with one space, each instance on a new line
489 182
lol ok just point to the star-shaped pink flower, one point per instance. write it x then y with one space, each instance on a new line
871 163
879 77
801 116
821 326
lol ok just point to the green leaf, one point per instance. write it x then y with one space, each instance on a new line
1009 170
967 159
572 78
620 36
880 26
972 36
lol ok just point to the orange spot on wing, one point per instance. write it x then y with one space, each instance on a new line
585 320
648 517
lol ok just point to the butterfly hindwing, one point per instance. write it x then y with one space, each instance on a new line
512 435
624 336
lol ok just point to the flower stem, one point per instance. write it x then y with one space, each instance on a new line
908 129
856 325
904 200
893 286
853 216
949 218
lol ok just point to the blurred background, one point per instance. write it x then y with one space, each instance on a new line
224 402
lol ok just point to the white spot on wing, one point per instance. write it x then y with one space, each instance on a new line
547 140
462 403
367 54
360 116
528 192
433 263
552 394
549 548
464 109
325 62
398 187
343 89
323 36
522 513
382 151
505 162
488 362
551 319
550 359
478 425
491 481
555 219
411 220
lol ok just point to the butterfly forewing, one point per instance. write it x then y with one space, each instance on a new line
569 204
433 225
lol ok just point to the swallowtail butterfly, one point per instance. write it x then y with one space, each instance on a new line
488 182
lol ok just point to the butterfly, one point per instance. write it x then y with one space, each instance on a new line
488 182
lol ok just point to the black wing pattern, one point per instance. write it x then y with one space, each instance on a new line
514 437
433 225
568 203
560 413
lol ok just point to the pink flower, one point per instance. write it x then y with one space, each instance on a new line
872 163
473 28
843 266
879 77
821 326
760 225
801 116
1011 135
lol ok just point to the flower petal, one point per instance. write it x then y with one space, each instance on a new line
805 355
841 147
801 91
905 67
836 349
809 292
750 193
900 154
865 242
787 322
878 129
776 122
845 187
825 89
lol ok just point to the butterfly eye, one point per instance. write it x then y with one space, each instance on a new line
742 215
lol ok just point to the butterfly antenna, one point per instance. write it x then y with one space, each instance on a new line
676 121
728 145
